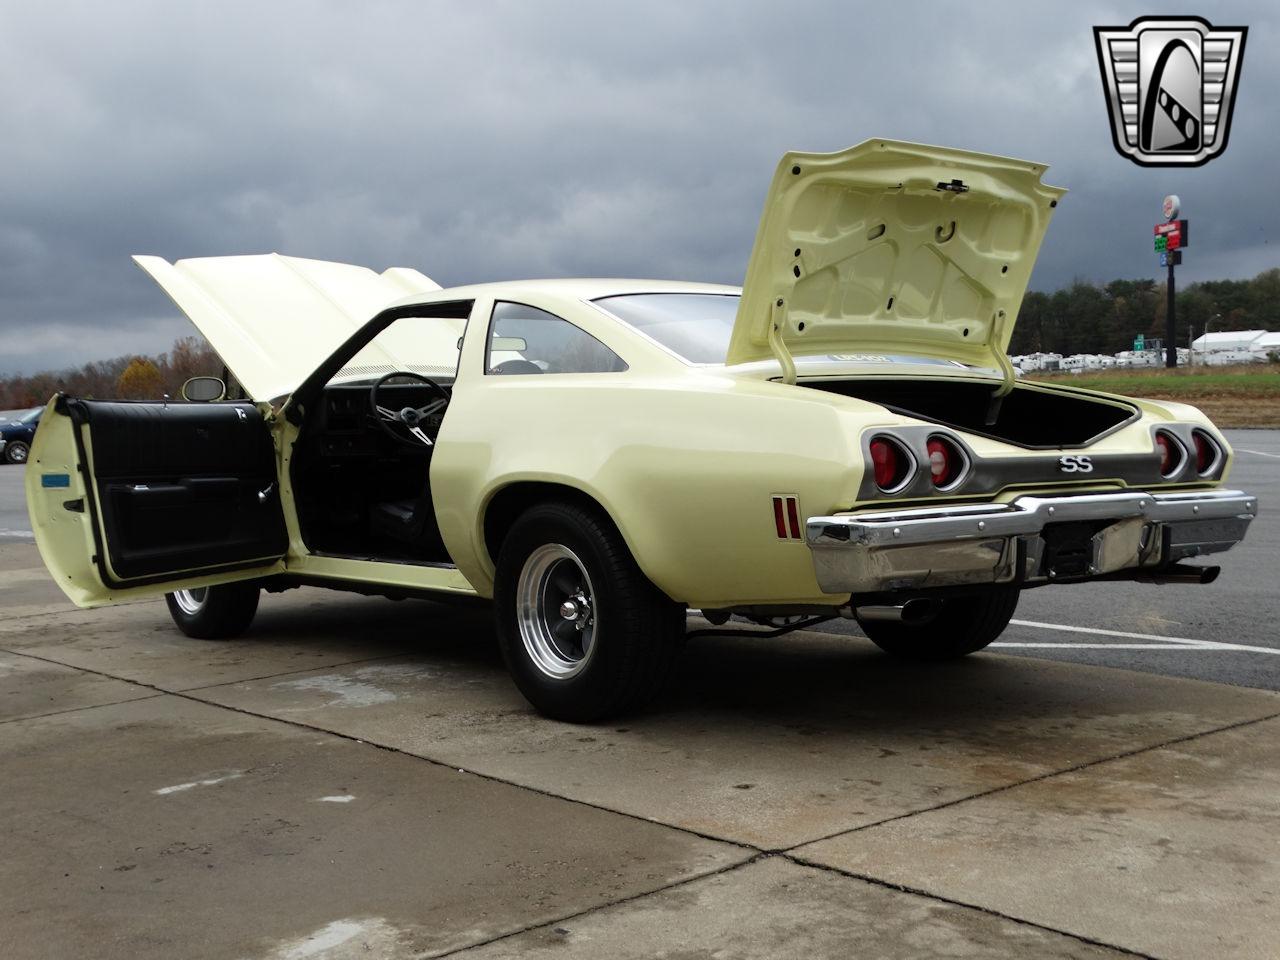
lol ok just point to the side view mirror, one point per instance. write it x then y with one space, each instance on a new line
204 389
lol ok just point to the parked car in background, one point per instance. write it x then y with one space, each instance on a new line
16 435
841 436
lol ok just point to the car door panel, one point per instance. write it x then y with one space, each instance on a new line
128 495
178 485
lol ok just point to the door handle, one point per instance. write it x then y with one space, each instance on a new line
264 494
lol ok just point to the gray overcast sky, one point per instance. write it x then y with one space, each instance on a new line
490 140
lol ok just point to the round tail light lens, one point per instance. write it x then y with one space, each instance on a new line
1170 454
889 464
945 461
1206 452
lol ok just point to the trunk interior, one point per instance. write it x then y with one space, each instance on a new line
1029 416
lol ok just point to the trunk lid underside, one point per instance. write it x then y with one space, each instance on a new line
893 247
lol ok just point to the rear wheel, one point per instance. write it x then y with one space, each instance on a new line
214 613
582 630
962 625
16 451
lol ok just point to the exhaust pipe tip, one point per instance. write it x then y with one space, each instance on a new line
1196 574
918 610
1210 574
914 611
1179 573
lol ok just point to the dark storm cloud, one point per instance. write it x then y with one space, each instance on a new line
478 141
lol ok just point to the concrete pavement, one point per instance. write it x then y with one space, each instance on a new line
359 778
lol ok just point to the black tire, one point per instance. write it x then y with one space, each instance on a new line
635 630
215 613
17 451
962 625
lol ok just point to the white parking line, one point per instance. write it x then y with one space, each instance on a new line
1159 641
1114 646
1259 453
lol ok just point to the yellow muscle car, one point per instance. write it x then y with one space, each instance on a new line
843 435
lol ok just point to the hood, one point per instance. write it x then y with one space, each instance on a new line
892 248
274 319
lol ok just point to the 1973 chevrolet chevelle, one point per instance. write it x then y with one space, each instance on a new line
842 435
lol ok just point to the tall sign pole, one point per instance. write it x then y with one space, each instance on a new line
1171 237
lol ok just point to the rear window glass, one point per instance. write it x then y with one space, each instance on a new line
695 326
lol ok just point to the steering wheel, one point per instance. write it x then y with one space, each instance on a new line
412 426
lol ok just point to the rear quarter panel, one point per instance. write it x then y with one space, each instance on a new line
685 465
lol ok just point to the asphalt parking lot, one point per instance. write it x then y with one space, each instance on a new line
358 778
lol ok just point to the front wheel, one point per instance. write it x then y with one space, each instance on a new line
962 625
214 613
582 630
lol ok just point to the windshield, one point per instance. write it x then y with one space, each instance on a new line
425 345
30 415
696 326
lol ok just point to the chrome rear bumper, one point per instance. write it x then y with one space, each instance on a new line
1032 539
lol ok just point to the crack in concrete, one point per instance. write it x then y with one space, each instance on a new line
286 673
798 861
205 686
1085 765
938 898
631 898
23 617
87 706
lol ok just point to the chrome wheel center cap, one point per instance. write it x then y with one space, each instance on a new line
577 610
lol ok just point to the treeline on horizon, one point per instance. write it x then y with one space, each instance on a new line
1086 318
1080 318
129 377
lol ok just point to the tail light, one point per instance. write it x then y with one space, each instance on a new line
891 464
946 462
1171 453
1207 452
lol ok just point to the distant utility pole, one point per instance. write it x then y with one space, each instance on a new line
1171 237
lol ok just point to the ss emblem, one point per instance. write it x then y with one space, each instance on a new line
1075 464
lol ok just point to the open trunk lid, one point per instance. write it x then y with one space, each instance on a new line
892 248
274 319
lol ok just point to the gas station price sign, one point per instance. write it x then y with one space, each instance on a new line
1171 236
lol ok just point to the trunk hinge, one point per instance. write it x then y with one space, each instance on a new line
778 345
1002 391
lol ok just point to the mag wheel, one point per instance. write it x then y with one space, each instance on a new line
554 611
214 613
961 625
583 632
16 451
